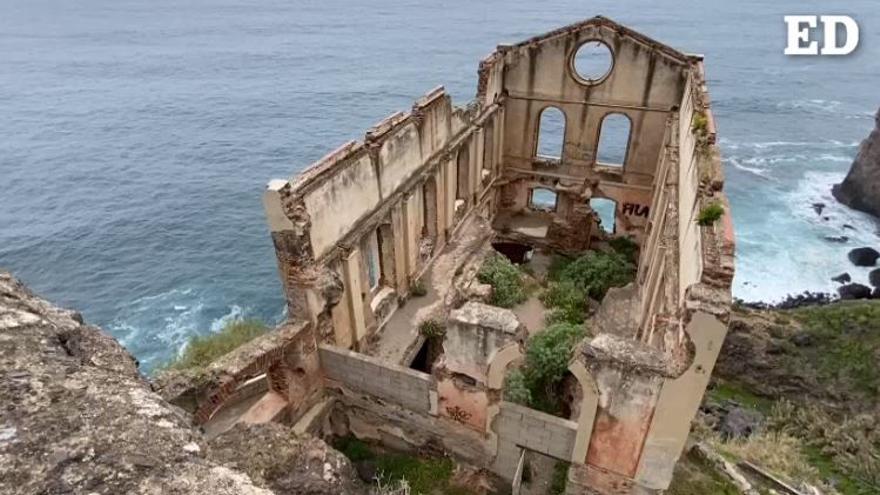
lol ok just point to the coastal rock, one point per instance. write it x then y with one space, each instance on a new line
275 457
843 278
78 417
854 291
840 239
861 187
740 422
874 278
865 256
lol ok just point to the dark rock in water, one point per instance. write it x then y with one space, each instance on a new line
874 278
842 239
740 423
802 300
802 339
848 226
865 256
854 291
861 187
843 278
818 208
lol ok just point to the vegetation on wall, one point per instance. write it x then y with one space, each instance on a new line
432 329
508 288
201 351
710 214
537 383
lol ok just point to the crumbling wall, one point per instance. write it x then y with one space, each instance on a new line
645 83
354 230
361 373
520 428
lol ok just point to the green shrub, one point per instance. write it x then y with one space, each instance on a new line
567 302
710 214
515 388
432 329
627 247
559 480
595 273
546 362
418 288
700 124
508 288
203 350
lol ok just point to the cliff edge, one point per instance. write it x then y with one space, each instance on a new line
76 416
861 188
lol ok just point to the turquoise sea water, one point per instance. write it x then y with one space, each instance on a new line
137 136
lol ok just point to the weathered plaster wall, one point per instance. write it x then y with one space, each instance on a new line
322 220
403 386
519 427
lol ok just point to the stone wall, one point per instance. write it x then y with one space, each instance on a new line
358 372
519 427
355 229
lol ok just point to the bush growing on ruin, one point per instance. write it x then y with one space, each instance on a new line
590 275
515 388
546 362
627 247
432 329
203 350
710 214
567 303
596 272
508 288
418 288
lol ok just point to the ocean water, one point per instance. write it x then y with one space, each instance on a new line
137 136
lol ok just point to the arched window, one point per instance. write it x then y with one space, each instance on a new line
606 208
542 199
551 134
614 140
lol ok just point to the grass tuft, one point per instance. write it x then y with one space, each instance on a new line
710 214
201 351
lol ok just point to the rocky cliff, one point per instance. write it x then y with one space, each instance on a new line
77 417
861 188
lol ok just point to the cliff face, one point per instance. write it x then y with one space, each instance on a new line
77 417
861 188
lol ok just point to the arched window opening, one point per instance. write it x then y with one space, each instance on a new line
542 199
606 208
614 140
551 134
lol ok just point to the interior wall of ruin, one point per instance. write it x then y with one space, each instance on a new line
355 229
645 84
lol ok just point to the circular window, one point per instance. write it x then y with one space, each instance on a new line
592 62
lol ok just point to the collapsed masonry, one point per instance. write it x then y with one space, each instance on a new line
423 197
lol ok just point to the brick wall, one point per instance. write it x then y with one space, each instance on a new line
519 427
361 373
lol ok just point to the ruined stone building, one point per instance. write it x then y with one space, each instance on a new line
419 203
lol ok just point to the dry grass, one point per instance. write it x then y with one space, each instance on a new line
776 452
